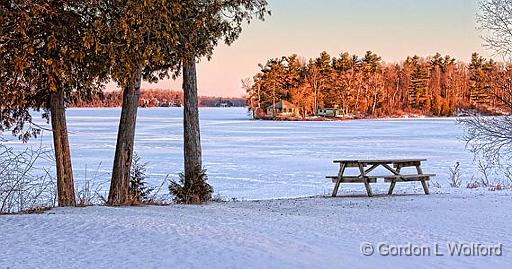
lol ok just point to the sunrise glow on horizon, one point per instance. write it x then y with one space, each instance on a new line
394 29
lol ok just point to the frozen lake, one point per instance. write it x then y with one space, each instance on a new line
249 159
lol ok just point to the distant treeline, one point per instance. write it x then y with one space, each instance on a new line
152 98
368 87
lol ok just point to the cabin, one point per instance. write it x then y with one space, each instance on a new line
329 112
153 102
282 109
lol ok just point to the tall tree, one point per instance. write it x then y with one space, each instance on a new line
42 62
273 78
480 80
418 91
140 38
202 24
347 81
371 69
319 75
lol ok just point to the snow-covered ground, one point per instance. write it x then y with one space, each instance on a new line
295 233
249 159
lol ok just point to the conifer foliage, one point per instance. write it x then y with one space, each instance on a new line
140 191
42 61
55 50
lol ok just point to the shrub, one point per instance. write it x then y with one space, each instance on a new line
455 179
139 190
25 186
192 190
473 184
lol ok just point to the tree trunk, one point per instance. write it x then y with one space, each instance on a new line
65 185
191 133
120 183
315 107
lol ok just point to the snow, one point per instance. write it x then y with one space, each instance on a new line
249 159
293 233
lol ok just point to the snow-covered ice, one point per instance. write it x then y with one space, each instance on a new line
249 159
295 233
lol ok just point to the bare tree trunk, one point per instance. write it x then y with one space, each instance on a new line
274 112
315 107
120 184
191 132
374 103
65 184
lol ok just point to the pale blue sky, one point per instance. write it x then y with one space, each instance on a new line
392 28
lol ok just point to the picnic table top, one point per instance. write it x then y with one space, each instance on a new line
381 161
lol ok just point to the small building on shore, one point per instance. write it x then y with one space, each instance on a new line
329 112
282 109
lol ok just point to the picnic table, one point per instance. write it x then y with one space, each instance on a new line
367 166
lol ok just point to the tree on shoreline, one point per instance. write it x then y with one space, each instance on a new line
42 63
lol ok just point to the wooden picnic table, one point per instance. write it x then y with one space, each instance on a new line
367 166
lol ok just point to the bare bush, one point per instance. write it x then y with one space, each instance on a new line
485 169
473 184
455 180
489 137
435 184
156 197
507 172
25 187
91 192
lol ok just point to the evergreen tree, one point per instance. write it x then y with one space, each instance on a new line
319 76
479 86
42 62
418 91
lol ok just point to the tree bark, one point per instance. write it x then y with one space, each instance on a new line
119 193
65 184
191 132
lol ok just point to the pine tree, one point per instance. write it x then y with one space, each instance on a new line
140 192
479 87
418 91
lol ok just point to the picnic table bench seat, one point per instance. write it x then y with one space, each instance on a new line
373 179
353 179
408 178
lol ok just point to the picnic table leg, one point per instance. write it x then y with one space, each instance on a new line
338 181
393 183
423 181
366 180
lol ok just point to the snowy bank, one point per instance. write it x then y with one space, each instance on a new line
295 233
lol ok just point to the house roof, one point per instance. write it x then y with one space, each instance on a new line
283 104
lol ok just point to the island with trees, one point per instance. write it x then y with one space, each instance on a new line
349 86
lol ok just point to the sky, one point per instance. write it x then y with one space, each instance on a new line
394 29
